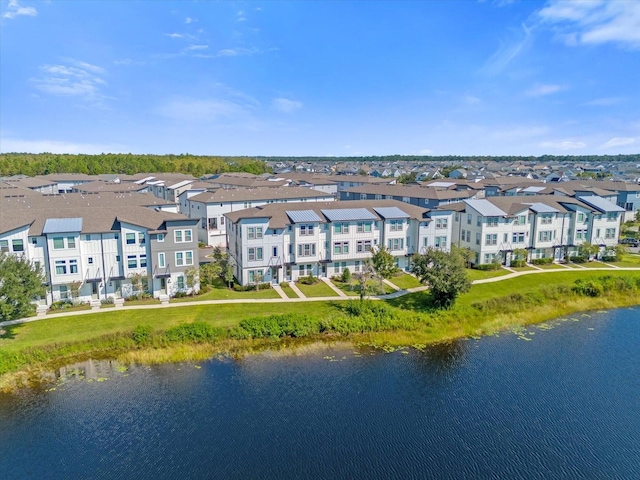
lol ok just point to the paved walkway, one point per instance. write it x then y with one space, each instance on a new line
279 291
392 285
331 285
302 298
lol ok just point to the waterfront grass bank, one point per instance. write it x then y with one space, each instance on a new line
28 349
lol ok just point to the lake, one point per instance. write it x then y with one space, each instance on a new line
559 400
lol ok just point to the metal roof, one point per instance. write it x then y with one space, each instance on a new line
441 184
542 208
302 216
62 225
180 184
485 208
341 214
391 212
533 189
601 204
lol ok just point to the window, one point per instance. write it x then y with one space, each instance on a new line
521 220
612 216
160 237
34 241
479 221
581 217
341 228
406 199
488 257
188 257
581 234
213 223
182 236
141 238
73 266
545 236
254 253
546 219
90 260
610 233
340 248
58 243
132 261
306 230
221 221
143 261
61 267
363 246
179 259
64 293
180 282
469 218
478 238
518 237
356 266
18 245
117 258
4 245
395 225
363 196
378 197
306 249
87 238
492 221
130 238
441 223
247 204
161 260
71 242
425 242
441 242
255 276
396 243
491 239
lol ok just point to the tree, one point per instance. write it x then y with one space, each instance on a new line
444 273
20 283
365 274
228 272
210 272
384 264
468 255
519 257
75 287
192 276
588 250
346 275
638 215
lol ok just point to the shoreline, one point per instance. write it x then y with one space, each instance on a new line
425 328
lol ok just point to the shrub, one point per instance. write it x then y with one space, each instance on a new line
578 259
346 275
487 267
141 334
180 294
518 263
61 304
308 280
542 261
243 288
276 326
193 332
589 288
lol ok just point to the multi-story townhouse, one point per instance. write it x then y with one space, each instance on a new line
210 207
629 199
284 242
427 197
105 246
546 226
350 181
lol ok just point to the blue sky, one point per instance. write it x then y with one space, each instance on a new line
493 77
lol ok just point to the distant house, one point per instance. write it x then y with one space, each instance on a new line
458 173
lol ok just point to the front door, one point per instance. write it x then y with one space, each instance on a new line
274 275
163 286
94 290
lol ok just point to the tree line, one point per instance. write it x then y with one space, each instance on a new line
129 164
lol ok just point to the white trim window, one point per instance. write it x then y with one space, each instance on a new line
545 236
132 261
340 248
609 233
518 237
363 246
491 239
395 225
546 219
306 230
306 249
396 243
340 228
441 242
130 238
254 233
254 254
492 221
184 258
441 223
160 237
4 246
161 260
182 236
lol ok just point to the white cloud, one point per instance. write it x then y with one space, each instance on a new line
618 142
198 110
595 21
240 16
471 100
55 146
540 90
189 20
507 52
197 47
604 102
235 52
285 105
564 145
73 79
15 10
173 35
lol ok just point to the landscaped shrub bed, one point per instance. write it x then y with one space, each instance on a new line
542 261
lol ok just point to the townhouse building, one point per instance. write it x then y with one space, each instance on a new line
284 242
102 246
210 207
546 226
427 197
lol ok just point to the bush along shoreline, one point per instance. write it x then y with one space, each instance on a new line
407 321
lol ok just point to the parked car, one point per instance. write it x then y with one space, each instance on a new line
630 242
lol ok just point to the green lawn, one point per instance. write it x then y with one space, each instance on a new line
523 269
78 308
320 289
289 292
405 281
551 266
350 289
145 301
628 260
482 274
594 264
224 293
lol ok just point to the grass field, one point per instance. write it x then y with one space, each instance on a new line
289 292
228 294
319 289
405 281
483 274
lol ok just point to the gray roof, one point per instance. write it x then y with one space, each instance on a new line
391 212
601 204
302 216
340 214
542 208
62 225
257 194
485 208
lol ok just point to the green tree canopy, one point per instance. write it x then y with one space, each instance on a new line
445 274
20 283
